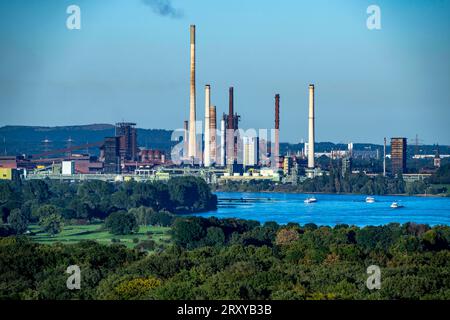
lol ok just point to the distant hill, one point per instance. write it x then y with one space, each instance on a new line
30 139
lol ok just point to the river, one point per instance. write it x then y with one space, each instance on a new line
331 209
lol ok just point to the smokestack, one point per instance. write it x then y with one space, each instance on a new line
277 131
207 152
192 121
212 133
231 108
311 164
186 139
223 141
230 131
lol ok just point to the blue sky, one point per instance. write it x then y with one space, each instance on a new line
129 63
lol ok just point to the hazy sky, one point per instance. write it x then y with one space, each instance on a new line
131 62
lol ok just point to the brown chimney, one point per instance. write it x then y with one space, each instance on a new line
231 109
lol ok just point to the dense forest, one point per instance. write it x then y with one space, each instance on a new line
50 202
350 183
237 259
442 176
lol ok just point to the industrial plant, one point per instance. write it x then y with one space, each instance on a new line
221 152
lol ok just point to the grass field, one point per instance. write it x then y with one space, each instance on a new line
75 233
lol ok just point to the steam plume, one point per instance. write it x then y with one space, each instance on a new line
163 8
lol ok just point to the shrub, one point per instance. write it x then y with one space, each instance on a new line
286 236
146 245
121 222
136 288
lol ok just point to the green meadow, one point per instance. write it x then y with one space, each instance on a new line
76 233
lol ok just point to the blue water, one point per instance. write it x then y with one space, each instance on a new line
331 209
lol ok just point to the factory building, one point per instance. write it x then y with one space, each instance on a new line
264 152
7 173
126 131
250 151
8 162
398 156
287 165
110 154
153 156
68 168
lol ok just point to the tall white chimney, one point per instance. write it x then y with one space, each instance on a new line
213 133
311 164
207 152
192 122
223 141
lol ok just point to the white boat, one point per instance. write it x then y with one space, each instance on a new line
370 199
310 200
396 205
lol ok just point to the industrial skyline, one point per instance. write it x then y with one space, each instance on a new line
139 73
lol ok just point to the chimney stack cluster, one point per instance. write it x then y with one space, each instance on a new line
227 151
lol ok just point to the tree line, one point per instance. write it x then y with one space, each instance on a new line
49 203
359 183
239 259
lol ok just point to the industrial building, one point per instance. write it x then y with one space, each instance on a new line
287 165
110 153
7 173
126 132
251 151
398 156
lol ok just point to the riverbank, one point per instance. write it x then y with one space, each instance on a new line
441 195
